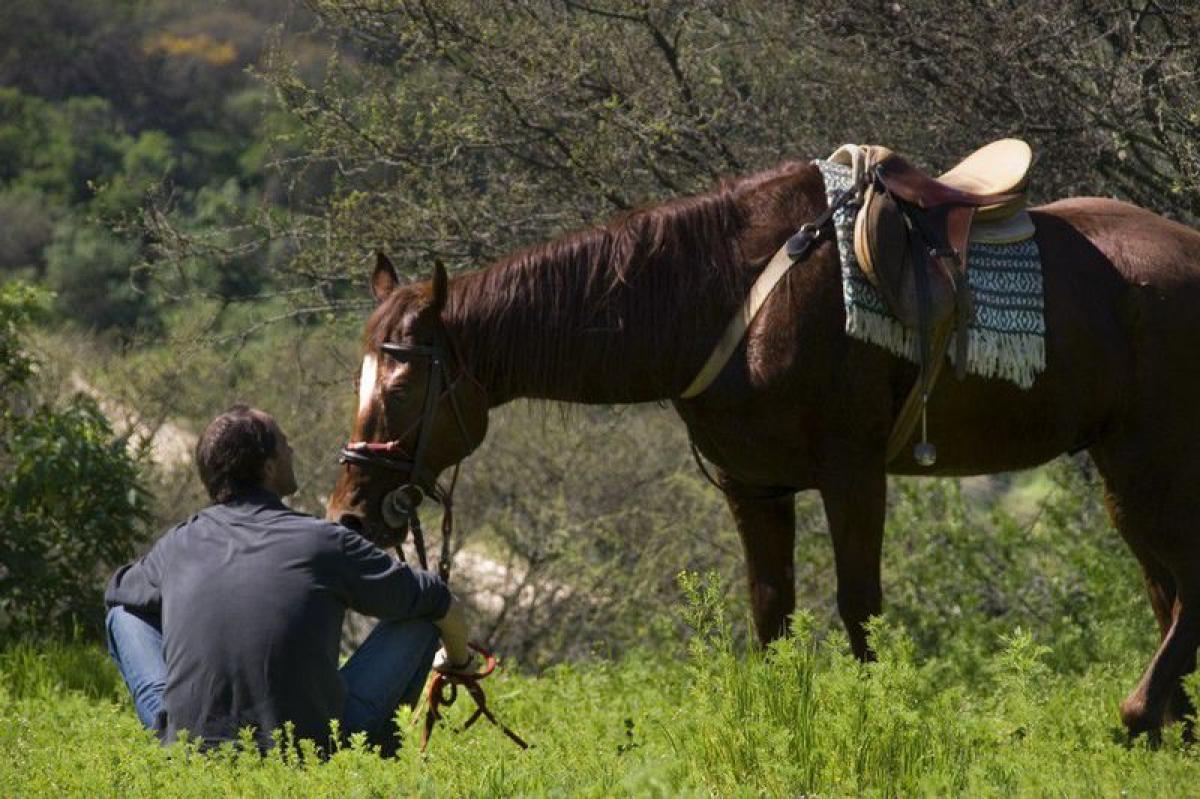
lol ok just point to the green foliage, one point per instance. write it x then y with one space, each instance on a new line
71 504
146 162
70 510
54 666
959 575
61 150
115 114
89 269
27 222
19 305
801 718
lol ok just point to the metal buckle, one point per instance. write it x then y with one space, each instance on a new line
400 505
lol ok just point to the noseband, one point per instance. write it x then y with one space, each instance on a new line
400 504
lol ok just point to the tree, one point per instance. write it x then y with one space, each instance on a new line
1108 91
461 131
89 268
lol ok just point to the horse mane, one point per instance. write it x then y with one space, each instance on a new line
642 279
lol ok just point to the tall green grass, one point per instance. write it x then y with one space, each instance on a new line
801 718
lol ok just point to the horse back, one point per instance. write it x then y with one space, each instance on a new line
1143 248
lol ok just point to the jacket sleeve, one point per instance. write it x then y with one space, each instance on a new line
137 586
374 583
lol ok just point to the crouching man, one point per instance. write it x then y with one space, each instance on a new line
234 617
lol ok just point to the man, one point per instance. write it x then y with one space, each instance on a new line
234 617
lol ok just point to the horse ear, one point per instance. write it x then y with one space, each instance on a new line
440 281
383 279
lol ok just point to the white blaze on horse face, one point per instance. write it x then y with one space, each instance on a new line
366 383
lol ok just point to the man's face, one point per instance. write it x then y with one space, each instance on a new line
279 476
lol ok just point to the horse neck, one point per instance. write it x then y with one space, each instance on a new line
559 323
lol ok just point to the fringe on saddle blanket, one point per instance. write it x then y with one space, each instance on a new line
1007 332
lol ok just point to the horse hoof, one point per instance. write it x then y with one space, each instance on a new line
1137 718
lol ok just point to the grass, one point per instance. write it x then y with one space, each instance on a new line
800 719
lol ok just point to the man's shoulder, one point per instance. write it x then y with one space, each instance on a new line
322 534
181 529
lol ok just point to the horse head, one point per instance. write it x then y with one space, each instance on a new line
419 410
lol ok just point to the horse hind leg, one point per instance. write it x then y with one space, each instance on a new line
1160 588
1158 525
1158 698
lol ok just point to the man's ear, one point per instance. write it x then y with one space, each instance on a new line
440 286
269 468
383 279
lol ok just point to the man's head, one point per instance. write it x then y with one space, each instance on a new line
243 449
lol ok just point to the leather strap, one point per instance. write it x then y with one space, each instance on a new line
793 250
910 412
736 329
958 228
924 311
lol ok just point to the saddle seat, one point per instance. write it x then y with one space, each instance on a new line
914 229
1001 167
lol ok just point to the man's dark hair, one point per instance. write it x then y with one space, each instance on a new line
232 451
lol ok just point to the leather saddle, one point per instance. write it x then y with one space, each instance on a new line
913 231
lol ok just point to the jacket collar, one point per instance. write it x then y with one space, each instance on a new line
256 497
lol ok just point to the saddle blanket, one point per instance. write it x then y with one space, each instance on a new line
1007 332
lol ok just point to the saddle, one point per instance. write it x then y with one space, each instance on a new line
913 231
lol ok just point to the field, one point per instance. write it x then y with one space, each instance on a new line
1015 623
191 199
801 719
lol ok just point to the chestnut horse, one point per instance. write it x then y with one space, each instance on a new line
629 311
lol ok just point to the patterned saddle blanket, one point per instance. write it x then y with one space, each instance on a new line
1006 331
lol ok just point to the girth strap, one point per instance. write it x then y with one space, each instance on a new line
793 250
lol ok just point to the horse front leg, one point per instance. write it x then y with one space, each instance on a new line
767 526
855 499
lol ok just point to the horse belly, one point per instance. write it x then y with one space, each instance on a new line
983 426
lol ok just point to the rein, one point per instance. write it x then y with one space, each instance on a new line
443 692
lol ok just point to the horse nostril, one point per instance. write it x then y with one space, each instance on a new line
351 522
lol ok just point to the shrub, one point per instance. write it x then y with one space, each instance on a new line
71 502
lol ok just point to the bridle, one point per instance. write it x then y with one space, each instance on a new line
399 506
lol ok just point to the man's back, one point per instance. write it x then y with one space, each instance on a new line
252 597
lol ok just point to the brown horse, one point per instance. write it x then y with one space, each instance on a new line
627 312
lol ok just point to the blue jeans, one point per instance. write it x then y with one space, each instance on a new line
387 671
